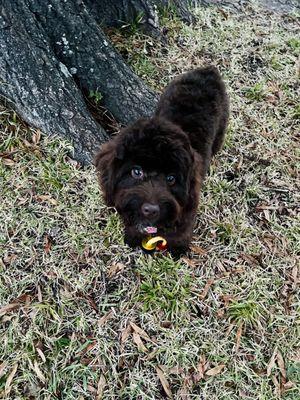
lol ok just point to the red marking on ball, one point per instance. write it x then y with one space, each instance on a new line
160 246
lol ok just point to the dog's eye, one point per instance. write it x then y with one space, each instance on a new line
137 173
171 179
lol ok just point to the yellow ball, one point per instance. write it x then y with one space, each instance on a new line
151 242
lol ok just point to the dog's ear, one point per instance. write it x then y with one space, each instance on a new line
106 164
196 177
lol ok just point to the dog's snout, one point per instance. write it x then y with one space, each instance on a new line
150 210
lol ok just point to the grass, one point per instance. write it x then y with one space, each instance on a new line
82 316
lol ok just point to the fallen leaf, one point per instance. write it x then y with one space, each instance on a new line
50 274
221 11
164 382
166 324
138 341
88 347
201 368
176 371
267 215
39 294
231 326
198 250
271 363
22 201
277 386
9 380
295 356
238 337
281 365
114 269
26 143
7 161
189 262
140 331
73 162
47 244
36 137
102 321
250 259
41 354
266 207
46 198
126 333
183 393
243 394
100 387
91 302
23 298
289 385
226 298
10 259
91 389
237 271
151 355
38 372
206 289
215 371
295 274
9 307
240 162
2 368
271 98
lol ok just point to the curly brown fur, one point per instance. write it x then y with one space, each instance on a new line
153 170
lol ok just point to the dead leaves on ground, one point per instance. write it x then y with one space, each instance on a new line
190 378
9 380
198 250
139 336
7 157
35 367
23 300
216 370
106 317
8 162
140 332
138 341
47 244
207 286
46 198
100 387
164 382
279 379
115 269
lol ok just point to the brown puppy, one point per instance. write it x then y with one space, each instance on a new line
153 170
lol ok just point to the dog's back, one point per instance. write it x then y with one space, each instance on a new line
198 103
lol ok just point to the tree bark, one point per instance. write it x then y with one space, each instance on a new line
180 7
39 87
120 12
53 52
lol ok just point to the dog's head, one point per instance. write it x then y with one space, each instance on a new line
150 174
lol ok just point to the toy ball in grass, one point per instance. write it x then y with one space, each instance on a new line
157 242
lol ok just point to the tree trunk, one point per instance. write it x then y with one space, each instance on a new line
142 12
120 12
39 87
53 52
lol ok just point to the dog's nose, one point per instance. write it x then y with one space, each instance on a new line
150 210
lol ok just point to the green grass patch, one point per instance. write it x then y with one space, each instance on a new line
165 286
